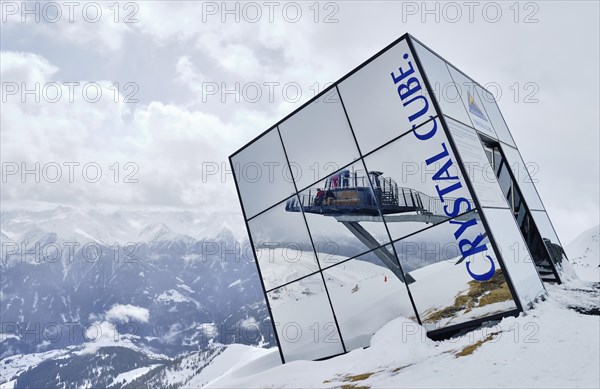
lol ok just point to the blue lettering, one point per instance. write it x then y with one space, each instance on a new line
421 112
448 189
485 276
427 135
439 175
439 156
403 74
456 207
412 85
406 90
473 247
463 226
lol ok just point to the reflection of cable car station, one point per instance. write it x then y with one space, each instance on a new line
349 196
349 193
351 199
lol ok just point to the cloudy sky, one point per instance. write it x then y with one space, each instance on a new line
140 103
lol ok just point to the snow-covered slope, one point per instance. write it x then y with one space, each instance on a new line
584 254
557 344
552 346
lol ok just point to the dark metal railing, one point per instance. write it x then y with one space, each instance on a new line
385 192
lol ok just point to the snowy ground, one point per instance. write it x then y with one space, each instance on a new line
557 344
584 254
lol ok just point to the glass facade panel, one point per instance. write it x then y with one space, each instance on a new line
552 243
359 213
515 253
457 276
522 178
386 98
282 246
480 170
420 177
304 320
262 174
365 295
443 86
318 140
493 112
342 215
473 103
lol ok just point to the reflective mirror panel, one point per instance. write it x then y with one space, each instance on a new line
318 140
342 215
366 294
493 112
358 202
457 276
283 248
473 103
304 321
386 97
262 173
443 86
417 180
516 256
552 243
477 163
522 178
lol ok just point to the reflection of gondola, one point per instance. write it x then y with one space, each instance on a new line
350 193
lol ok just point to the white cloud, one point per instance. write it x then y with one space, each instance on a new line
249 324
100 334
187 73
168 145
170 141
26 68
127 312
97 26
210 330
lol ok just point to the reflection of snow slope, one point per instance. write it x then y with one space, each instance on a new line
374 301
282 265
365 297
304 320
378 297
279 267
437 287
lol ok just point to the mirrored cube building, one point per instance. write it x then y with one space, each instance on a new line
398 191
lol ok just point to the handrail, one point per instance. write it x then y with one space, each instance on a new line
386 191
